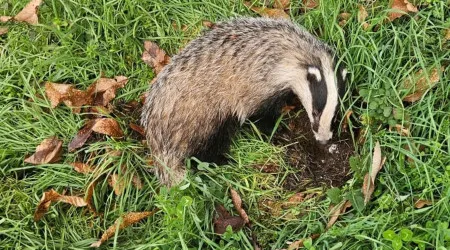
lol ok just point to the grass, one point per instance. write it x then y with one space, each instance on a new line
78 41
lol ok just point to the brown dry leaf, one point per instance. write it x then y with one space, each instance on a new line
362 15
299 243
117 183
83 134
422 203
400 6
344 18
224 219
107 126
67 94
4 19
99 93
310 4
52 196
282 4
137 183
369 179
336 211
447 35
49 151
45 203
104 89
82 168
402 130
208 24
137 128
123 222
221 224
90 194
267 12
29 13
237 202
3 31
346 120
286 109
154 56
420 84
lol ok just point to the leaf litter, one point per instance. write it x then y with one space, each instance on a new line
53 196
154 56
369 179
123 222
28 14
49 151
420 83
400 8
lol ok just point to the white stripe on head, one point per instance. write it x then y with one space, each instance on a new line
324 132
316 72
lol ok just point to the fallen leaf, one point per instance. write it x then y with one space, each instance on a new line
90 194
53 196
66 94
447 35
400 8
99 93
224 220
29 13
299 243
3 31
4 19
49 151
208 24
237 202
267 12
154 56
267 168
310 4
422 203
282 4
286 109
123 222
420 84
83 134
107 126
117 183
369 179
362 15
344 18
336 211
104 89
137 183
45 203
402 130
82 168
137 128
346 120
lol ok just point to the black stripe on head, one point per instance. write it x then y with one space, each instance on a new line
318 88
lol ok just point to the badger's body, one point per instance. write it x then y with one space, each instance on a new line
236 70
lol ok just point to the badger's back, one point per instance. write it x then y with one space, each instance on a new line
220 79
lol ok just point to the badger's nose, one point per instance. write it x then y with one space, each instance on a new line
323 142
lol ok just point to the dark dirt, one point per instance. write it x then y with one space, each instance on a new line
318 165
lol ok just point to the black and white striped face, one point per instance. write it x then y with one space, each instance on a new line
325 88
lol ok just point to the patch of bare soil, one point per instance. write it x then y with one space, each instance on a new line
318 165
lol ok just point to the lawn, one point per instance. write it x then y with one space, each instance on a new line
79 41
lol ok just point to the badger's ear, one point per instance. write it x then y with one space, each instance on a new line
314 71
344 73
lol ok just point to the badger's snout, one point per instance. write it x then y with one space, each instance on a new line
323 138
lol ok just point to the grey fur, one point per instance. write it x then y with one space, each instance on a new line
226 75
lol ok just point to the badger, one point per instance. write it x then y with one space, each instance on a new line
237 70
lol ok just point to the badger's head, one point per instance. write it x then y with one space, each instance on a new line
321 85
